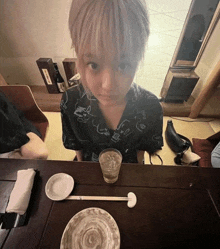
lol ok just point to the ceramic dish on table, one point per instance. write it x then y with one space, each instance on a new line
59 186
91 228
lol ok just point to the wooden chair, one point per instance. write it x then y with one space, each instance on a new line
21 96
2 81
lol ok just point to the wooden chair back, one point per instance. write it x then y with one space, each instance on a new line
2 81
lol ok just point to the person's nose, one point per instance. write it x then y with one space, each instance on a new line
109 80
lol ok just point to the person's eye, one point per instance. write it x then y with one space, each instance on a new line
93 65
124 66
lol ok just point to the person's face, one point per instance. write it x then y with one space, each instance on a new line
108 80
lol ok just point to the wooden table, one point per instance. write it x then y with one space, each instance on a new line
177 207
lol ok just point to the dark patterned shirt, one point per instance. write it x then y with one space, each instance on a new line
84 127
14 126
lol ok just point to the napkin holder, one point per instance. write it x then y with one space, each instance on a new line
11 220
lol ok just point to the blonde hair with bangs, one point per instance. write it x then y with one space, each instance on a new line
119 27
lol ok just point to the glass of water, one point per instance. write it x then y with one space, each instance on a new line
110 161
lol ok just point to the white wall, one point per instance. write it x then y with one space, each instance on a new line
39 28
30 30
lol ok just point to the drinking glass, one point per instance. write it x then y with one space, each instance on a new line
110 161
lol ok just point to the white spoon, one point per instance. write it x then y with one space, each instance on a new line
59 187
131 199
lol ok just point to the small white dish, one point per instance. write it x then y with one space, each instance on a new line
59 186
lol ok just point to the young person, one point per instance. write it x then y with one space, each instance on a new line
19 138
106 109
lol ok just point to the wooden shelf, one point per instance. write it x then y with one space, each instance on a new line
47 102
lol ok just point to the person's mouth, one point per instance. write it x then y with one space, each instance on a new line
108 96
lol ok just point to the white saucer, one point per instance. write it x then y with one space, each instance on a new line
59 186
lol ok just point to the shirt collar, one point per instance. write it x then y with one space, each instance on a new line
132 94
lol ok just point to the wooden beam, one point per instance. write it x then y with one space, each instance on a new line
207 92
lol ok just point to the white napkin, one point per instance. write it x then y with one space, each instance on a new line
20 195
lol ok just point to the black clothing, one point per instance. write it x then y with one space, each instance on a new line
13 126
84 127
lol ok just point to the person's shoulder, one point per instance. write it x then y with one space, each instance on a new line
141 94
3 98
71 95
74 91
146 100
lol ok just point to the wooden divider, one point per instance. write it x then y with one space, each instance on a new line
69 65
206 93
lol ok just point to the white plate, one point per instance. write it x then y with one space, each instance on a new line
59 186
91 228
